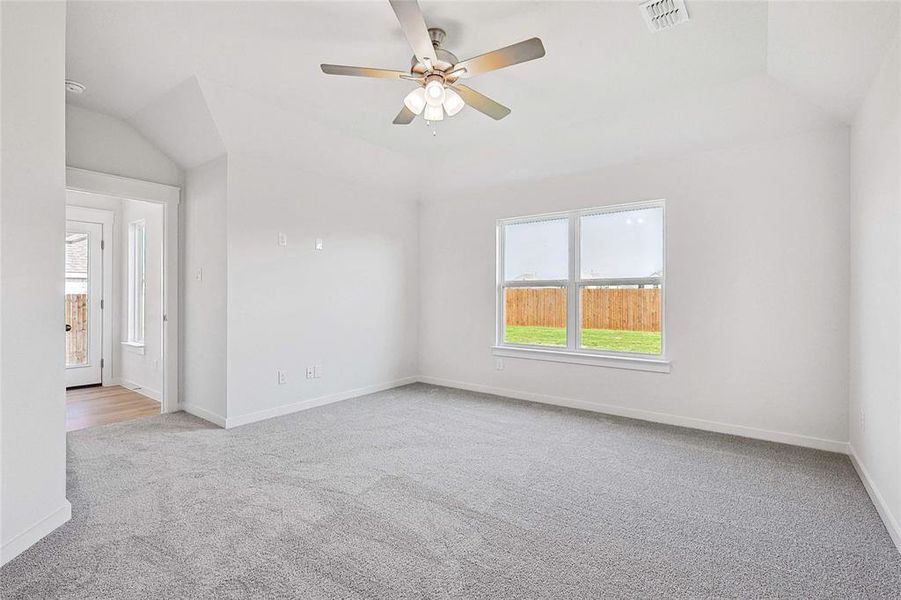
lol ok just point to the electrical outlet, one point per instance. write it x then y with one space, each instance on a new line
311 372
317 371
282 377
499 364
318 245
282 239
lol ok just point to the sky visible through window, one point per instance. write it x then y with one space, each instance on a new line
621 244
536 250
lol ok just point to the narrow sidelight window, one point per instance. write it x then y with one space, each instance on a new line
137 243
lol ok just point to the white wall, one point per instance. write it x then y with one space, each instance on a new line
204 300
142 372
875 415
351 308
99 142
757 276
32 228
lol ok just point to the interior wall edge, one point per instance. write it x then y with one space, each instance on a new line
202 413
882 507
24 540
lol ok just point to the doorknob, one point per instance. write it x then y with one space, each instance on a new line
68 327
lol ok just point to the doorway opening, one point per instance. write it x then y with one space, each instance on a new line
84 302
119 289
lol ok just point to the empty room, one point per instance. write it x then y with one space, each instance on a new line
450 299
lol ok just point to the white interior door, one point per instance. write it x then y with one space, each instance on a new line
84 297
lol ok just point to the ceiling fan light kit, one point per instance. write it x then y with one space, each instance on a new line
437 71
453 103
433 113
434 91
415 100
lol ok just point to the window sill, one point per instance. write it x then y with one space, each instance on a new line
635 363
134 347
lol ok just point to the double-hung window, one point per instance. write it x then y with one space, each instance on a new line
586 283
137 244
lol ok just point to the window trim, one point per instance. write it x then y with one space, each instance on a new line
573 352
133 340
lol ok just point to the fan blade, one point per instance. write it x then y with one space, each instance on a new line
413 23
504 57
482 103
404 117
363 72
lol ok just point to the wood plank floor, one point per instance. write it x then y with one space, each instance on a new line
88 407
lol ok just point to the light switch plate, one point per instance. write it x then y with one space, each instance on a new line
198 275
282 377
319 243
282 239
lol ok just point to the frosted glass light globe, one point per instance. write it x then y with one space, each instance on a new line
453 103
434 93
415 100
433 113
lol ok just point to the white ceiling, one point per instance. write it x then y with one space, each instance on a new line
608 89
830 51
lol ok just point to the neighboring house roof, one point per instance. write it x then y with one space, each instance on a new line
76 254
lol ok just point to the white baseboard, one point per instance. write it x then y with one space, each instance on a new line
139 389
286 409
135 387
891 525
33 534
144 391
646 415
203 413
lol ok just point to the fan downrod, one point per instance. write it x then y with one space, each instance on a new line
437 35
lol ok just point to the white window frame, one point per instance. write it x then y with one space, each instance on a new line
573 285
137 282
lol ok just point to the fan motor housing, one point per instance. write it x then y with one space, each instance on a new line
446 59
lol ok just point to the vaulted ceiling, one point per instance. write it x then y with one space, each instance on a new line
608 90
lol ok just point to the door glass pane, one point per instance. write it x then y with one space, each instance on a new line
536 250
76 299
622 244
535 316
624 318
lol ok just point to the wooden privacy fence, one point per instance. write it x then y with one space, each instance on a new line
77 338
630 309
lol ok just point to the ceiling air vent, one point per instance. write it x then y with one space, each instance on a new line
664 14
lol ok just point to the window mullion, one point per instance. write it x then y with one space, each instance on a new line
572 302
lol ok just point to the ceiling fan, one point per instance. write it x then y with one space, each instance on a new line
438 71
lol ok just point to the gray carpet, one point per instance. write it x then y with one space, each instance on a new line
426 492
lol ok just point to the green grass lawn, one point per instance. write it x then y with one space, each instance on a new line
646 342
